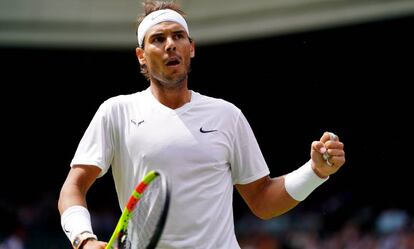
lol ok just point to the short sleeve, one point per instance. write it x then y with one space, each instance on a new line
97 144
247 161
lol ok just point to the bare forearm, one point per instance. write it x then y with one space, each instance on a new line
273 200
76 185
70 195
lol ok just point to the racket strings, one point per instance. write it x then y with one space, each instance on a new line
145 217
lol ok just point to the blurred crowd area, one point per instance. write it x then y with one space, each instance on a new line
390 229
335 224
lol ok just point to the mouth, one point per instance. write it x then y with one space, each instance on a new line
172 62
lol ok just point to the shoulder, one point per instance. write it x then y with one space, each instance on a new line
121 102
216 104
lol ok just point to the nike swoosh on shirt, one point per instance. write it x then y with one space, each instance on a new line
206 131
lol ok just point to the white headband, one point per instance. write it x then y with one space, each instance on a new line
164 15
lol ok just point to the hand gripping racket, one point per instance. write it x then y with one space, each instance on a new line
143 218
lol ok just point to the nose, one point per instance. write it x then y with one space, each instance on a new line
170 44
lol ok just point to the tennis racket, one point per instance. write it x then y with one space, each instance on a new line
143 218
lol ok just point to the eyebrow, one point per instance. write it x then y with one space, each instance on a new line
162 33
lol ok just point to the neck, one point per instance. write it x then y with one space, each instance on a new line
172 98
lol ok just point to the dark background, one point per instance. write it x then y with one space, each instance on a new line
354 81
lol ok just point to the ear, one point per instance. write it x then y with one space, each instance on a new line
140 55
192 49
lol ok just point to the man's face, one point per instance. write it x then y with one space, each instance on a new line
167 54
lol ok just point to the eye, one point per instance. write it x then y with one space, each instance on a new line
159 39
178 36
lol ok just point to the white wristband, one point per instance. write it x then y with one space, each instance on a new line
301 182
75 220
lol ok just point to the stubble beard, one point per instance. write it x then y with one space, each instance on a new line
171 81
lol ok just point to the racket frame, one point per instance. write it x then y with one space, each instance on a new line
128 210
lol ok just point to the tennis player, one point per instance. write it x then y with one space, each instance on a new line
203 144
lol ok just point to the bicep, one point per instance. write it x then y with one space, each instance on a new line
82 176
